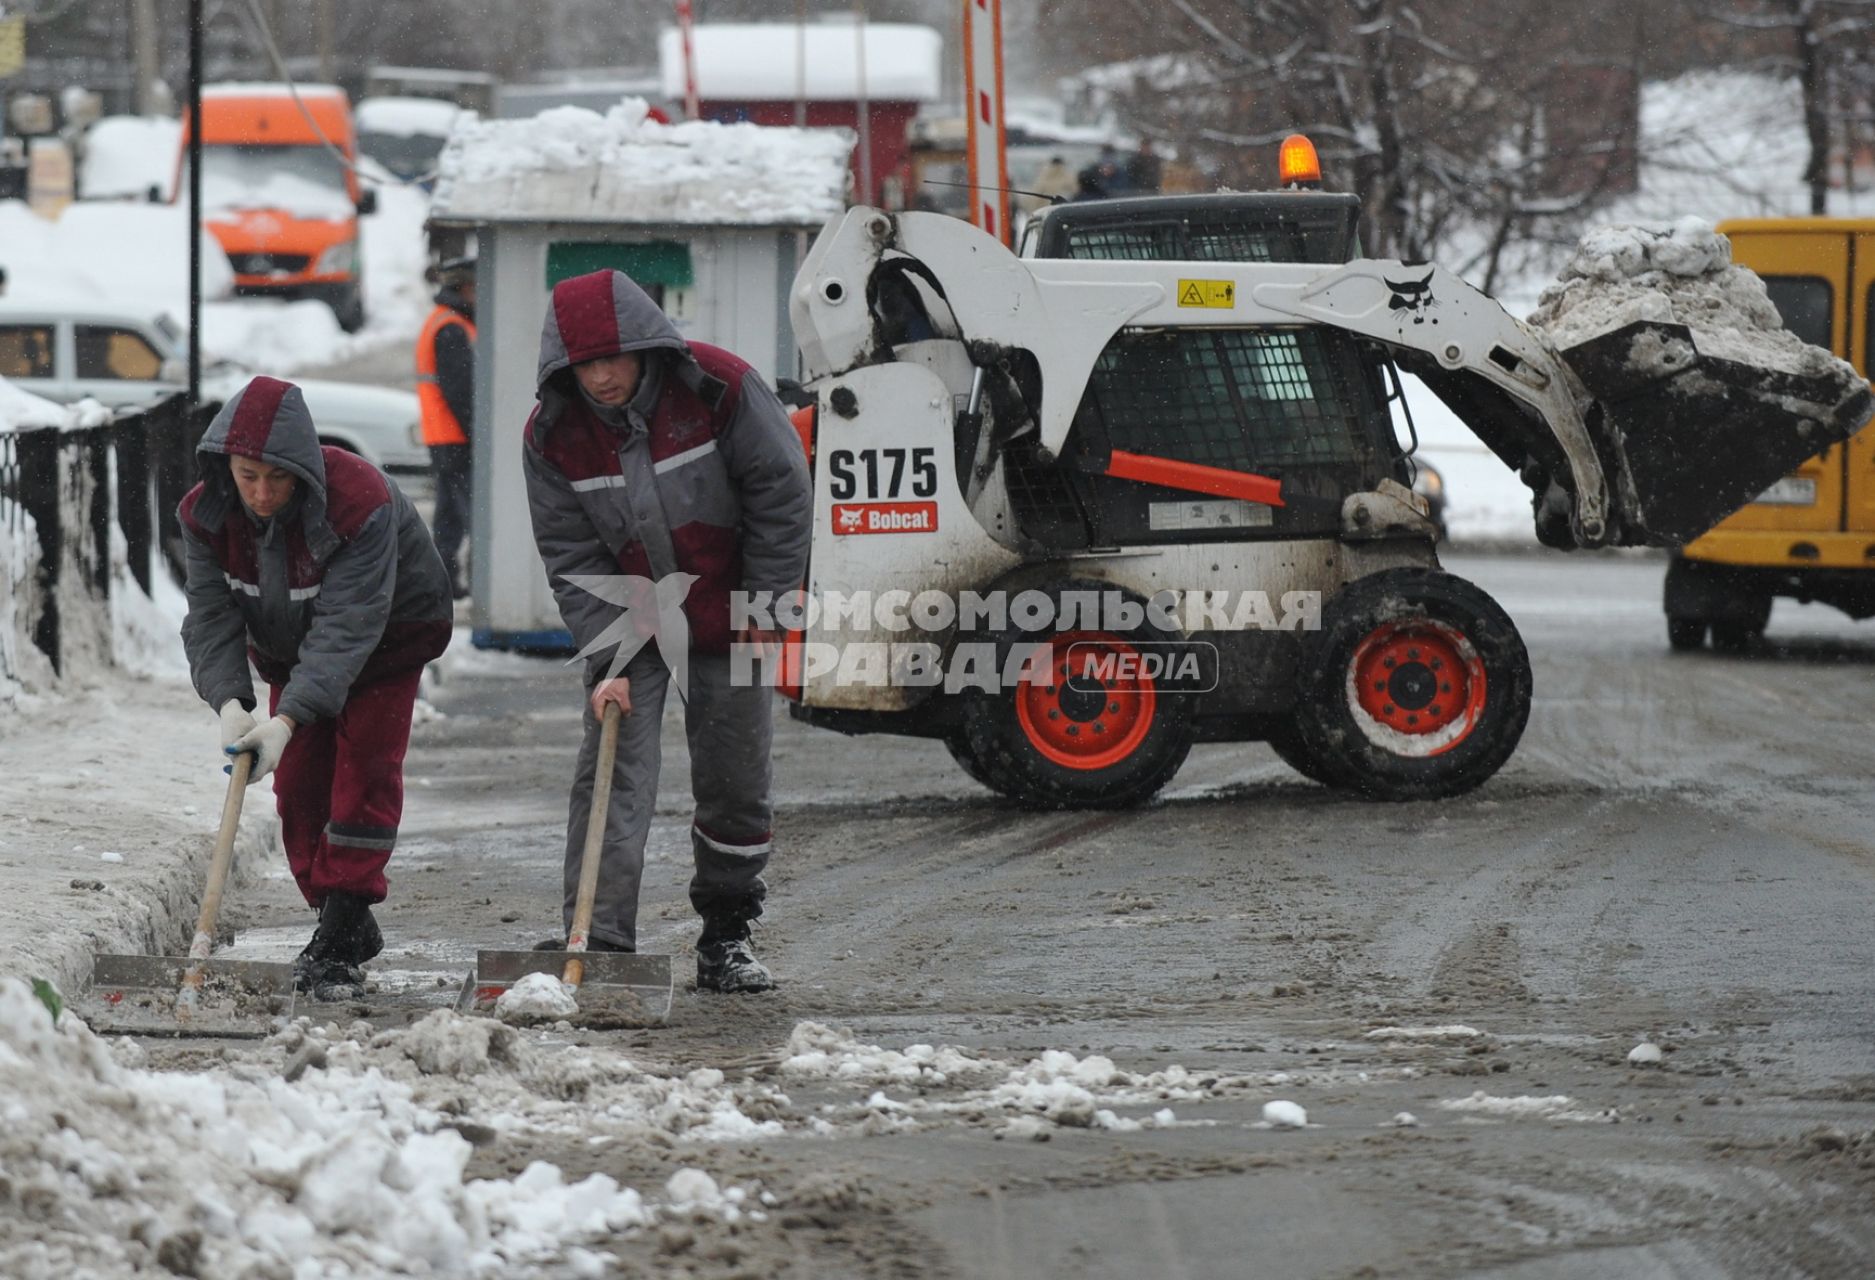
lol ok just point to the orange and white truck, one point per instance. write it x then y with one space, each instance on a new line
280 191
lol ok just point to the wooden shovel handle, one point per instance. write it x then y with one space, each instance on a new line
575 971
204 940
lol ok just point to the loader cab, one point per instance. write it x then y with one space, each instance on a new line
1811 535
1304 405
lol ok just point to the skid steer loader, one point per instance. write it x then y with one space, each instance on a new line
1074 514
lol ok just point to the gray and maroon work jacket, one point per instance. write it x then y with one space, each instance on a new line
341 587
700 472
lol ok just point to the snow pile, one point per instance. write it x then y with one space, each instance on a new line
406 117
20 410
570 164
352 1168
1455 1031
1283 1114
108 255
818 1050
536 997
1645 1054
1556 1106
127 155
23 668
1680 273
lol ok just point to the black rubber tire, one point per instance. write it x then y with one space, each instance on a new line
1286 741
959 746
1733 637
1331 728
1685 635
348 307
1014 767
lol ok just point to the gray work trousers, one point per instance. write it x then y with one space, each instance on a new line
729 731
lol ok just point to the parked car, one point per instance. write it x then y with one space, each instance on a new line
131 359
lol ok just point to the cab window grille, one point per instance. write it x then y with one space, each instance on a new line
1241 399
1238 238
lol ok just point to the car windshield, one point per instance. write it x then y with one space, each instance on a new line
307 181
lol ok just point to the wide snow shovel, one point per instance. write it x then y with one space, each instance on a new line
613 989
196 995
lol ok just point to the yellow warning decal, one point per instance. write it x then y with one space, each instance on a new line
1207 293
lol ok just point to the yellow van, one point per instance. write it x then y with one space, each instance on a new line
1810 536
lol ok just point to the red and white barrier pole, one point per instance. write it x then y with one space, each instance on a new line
686 26
986 140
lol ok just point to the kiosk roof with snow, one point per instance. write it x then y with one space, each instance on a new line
709 219
574 165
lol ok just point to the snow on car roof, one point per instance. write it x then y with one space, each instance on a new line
407 117
759 62
574 165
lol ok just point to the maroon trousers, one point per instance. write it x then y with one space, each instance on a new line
340 790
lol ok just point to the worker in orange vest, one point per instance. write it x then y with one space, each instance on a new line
446 396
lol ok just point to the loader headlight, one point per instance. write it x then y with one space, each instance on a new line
1428 481
338 260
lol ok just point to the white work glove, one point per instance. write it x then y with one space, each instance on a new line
267 742
236 721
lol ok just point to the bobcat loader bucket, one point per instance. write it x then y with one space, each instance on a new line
1688 436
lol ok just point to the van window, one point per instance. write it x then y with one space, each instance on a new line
120 354
1806 303
25 351
1868 354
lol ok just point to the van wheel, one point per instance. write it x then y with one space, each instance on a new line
1105 742
1419 687
1686 634
348 308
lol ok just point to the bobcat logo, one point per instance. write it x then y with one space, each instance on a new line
850 520
1412 296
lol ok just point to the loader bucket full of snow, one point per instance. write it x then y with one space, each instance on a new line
1693 425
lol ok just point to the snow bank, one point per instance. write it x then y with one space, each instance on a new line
107 255
406 117
570 164
351 1167
21 410
127 155
1680 273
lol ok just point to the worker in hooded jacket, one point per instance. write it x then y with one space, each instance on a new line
311 563
670 462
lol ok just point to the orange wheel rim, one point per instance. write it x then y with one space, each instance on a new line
1416 688
1098 720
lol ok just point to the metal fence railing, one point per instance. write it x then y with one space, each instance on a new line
69 486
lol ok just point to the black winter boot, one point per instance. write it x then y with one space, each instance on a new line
725 960
347 936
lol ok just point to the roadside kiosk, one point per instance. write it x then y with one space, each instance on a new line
710 219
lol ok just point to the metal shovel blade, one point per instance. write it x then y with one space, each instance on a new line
618 989
145 995
1694 436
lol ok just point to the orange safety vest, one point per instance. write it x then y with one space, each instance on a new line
439 421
